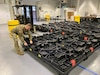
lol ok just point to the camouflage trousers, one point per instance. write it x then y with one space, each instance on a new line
17 42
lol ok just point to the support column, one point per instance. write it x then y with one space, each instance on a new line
98 8
78 3
10 3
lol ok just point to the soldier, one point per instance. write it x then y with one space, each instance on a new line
19 31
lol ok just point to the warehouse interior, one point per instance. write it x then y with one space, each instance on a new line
46 12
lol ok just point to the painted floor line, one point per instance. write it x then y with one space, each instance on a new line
93 73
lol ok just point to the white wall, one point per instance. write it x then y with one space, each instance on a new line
89 6
47 6
29 2
5 1
4 13
98 9
72 3
50 6
1 1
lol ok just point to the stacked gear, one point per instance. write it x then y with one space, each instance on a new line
67 45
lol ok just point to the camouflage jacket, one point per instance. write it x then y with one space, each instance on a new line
21 31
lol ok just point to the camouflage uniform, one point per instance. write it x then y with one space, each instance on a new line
19 31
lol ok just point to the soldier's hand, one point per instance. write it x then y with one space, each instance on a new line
31 42
25 44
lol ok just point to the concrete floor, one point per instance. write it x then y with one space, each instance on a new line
13 64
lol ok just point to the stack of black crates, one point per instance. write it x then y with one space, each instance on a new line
66 45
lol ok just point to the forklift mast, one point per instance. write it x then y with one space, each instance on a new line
24 13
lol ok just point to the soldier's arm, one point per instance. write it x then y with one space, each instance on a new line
30 35
21 36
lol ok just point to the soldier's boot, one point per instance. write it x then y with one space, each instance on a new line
19 52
